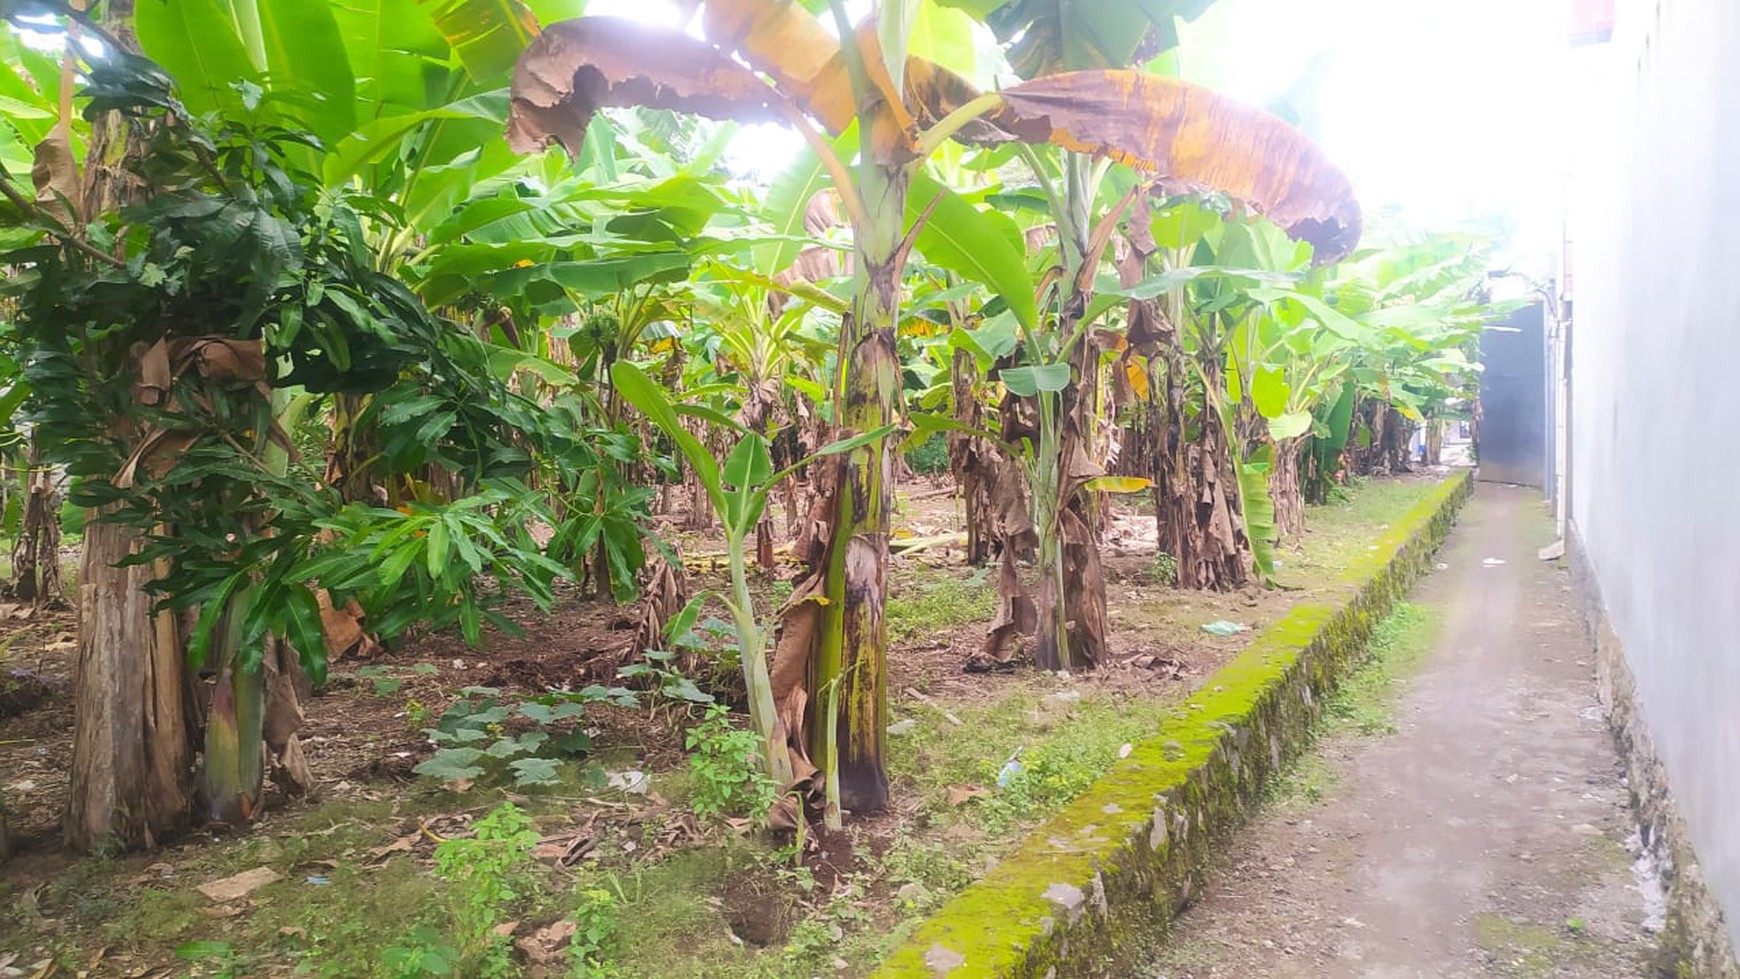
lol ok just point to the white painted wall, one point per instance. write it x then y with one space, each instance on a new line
1655 226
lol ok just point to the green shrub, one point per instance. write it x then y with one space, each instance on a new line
485 874
1165 569
595 922
930 457
72 518
923 609
725 775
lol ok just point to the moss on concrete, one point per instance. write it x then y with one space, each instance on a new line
1522 950
1087 888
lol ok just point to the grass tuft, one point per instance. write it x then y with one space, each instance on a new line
924 607
1364 703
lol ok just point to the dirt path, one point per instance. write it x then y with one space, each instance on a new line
1483 838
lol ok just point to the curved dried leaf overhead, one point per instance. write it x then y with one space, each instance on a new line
792 47
581 65
1192 138
1195 140
577 67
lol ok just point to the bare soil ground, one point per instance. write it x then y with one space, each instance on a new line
1484 835
699 897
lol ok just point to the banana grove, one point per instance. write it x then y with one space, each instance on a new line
348 323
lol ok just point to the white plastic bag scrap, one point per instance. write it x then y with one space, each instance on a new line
1222 627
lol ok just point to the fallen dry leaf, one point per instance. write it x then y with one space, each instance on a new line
959 794
239 886
404 844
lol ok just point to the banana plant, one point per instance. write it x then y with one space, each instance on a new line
1084 200
1211 512
1295 359
1285 349
760 351
738 491
1052 37
1421 305
1267 350
30 95
1060 376
1045 37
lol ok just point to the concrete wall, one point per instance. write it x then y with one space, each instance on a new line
1655 416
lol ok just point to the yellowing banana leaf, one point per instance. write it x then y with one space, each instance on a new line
1270 391
805 61
1137 374
1116 484
792 47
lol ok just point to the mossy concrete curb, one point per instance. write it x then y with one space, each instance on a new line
1099 880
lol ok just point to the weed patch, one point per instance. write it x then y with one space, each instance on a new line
924 608
1030 752
1364 703
725 775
